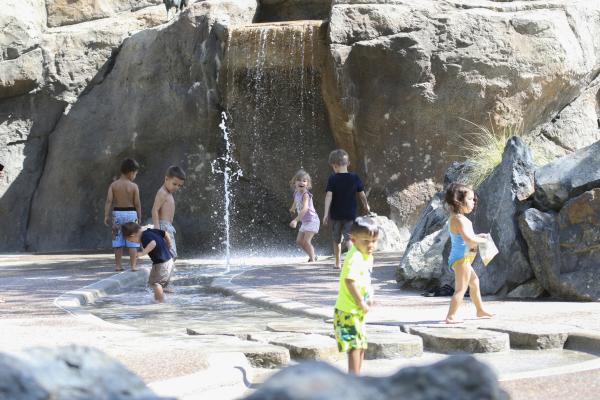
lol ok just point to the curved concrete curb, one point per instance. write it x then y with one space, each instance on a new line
73 300
227 375
262 299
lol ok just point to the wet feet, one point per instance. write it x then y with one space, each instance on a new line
119 270
134 270
313 259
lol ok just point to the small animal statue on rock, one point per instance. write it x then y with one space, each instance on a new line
177 4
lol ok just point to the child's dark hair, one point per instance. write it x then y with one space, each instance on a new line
456 195
339 157
175 172
365 226
130 228
129 165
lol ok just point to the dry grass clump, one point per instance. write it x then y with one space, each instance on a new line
483 149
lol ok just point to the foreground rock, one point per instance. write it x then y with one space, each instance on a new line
458 377
562 247
68 373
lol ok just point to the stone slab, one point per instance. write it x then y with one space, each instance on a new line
316 327
535 337
302 346
586 341
259 354
388 345
461 340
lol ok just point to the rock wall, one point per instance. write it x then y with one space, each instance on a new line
42 72
395 79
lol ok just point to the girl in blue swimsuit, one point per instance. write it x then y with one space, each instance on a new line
461 200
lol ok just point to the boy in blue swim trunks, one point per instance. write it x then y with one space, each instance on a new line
124 199
355 297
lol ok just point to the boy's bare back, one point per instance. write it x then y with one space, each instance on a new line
164 205
124 193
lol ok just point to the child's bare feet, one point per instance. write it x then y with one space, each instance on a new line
452 320
134 270
337 266
484 315
119 270
313 259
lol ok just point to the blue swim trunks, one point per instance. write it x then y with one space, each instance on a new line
120 216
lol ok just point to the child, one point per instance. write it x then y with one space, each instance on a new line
156 243
340 200
125 196
355 296
163 210
303 205
461 200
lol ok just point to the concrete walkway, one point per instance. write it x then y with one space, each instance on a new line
30 284
311 289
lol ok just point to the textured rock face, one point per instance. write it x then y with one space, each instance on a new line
69 373
166 72
42 71
562 247
65 12
501 199
389 82
567 177
459 377
403 72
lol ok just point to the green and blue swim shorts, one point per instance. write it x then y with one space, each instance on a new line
350 331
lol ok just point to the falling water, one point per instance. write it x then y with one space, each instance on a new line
228 167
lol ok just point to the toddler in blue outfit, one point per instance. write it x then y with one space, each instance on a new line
461 200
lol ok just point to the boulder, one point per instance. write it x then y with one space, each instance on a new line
567 177
401 75
21 24
21 75
390 238
457 377
169 71
65 12
529 290
562 247
69 373
423 264
502 197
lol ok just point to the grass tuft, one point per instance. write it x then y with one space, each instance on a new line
483 149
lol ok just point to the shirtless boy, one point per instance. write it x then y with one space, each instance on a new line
124 196
163 209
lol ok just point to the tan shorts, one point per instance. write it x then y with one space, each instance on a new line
161 273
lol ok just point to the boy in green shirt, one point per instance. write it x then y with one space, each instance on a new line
355 296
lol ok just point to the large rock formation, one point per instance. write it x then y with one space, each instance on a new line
42 72
458 377
562 233
387 81
502 197
404 72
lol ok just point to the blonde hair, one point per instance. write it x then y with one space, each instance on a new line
301 174
339 157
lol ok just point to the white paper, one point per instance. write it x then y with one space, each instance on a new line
487 250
